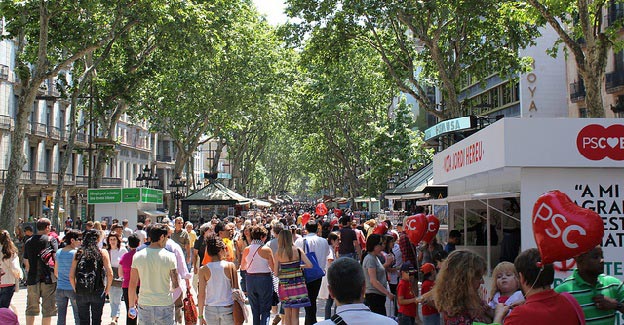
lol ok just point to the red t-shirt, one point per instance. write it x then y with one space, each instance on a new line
427 310
404 289
546 307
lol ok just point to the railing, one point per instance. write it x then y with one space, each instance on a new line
38 129
614 80
82 180
110 182
6 122
40 177
80 137
54 132
577 91
164 158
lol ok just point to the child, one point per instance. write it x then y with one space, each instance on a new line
505 285
430 313
406 299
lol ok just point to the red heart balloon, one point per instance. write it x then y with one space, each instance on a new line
338 213
415 227
433 224
381 229
562 229
305 218
321 209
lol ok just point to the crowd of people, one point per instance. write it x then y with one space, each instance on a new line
368 272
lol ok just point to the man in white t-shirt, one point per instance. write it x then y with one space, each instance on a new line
155 268
347 286
140 232
320 247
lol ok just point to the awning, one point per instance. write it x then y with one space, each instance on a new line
364 199
153 213
417 186
260 203
469 197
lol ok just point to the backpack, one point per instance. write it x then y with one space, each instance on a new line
89 275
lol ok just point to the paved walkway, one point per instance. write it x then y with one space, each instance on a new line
19 302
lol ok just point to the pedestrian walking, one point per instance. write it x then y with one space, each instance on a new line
320 247
376 280
258 261
39 260
10 270
64 291
91 276
125 264
293 292
155 268
116 251
215 285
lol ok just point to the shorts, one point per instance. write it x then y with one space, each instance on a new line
47 294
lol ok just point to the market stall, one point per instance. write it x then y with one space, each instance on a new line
495 176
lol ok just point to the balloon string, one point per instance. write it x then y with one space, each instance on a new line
541 266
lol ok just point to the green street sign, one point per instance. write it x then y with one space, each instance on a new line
125 195
131 195
99 196
149 195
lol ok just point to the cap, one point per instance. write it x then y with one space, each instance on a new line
427 268
407 267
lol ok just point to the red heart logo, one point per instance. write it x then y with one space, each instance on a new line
337 213
562 229
433 224
416 227
321 209
305 218
596 142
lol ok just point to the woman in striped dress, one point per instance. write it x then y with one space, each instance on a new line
289 261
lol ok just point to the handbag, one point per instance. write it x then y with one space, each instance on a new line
116 281
239 312
315 272
190 309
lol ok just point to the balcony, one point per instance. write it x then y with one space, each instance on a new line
80 137
82 180
54 132
6 123
614 81
40 178
38 129
24 179
577 91
110 182
164 158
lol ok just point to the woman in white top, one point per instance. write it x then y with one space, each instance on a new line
9 269
116 251
215 285
258 261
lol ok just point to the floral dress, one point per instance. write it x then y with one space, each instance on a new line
292 289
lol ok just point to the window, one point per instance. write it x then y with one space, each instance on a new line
583 112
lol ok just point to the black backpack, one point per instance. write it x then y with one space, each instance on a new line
89 275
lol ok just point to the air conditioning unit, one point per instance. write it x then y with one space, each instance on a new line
4 72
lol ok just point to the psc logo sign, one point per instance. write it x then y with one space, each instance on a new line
595 142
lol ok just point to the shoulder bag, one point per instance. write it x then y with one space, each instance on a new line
239 312
315 272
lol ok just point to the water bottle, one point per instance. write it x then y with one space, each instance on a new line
132 312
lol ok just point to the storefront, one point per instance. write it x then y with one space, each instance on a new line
495 176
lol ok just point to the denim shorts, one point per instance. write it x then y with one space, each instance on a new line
157 315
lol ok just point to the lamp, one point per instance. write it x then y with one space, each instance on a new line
177 184
149 180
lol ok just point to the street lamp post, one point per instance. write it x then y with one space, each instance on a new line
150 180
177 184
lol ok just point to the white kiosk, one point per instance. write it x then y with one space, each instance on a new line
125 203
497 174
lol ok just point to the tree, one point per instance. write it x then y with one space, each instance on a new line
50 36
424 42
581 28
